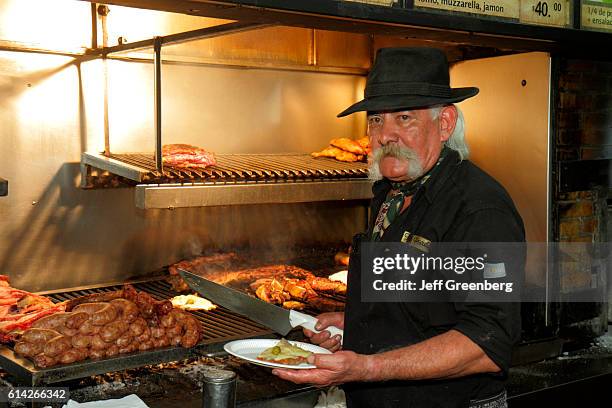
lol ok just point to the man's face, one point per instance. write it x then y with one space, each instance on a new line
407 144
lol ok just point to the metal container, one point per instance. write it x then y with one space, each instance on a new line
219 389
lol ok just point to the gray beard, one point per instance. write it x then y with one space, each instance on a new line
415 170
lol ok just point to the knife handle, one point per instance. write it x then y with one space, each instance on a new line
309 322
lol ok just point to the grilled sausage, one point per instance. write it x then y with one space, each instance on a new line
44 361
157 332
96 354
168 320
161 342
101 313
28 349
76 319
113 330
81 341
176 330
53 321
93 298
39 335
97 343
128 311
127 349
145 345
88 328
112 350
175 340
73 355
57 346
67 332
124 340
138 327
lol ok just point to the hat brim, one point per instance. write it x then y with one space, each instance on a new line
396 102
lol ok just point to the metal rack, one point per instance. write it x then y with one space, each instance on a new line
171 187
218 327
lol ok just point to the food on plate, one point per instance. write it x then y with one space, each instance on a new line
105 325
346 150
187 156
284 353
192 302
20 309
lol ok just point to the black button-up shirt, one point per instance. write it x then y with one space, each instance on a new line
460 203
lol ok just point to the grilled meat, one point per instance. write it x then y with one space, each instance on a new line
187 156
348 145
327 286
133 322
338 154
19 309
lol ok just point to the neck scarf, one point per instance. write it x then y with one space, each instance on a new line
394 202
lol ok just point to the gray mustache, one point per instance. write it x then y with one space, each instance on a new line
394 150
414 169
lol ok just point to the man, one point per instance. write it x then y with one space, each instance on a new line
409 354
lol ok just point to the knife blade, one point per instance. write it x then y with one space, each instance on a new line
274 317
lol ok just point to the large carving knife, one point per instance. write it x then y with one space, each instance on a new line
276 318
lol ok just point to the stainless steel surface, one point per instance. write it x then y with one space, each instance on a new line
208 32
269 315
204 195
157 103
219 389
218 327
507 131
114 166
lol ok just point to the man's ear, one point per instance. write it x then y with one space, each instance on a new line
447 121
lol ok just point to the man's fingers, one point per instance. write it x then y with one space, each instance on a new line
319 338
332 344
324 361
307 332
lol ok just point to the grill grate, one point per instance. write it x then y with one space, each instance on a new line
219 326
248 167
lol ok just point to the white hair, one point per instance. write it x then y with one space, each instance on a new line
457 140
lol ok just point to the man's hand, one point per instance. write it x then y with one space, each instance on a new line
332 369
323 338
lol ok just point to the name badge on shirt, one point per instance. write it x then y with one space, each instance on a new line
420 243
494 270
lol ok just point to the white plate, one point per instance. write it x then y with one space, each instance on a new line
249 350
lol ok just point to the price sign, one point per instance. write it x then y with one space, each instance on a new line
543 12
546 12
596 15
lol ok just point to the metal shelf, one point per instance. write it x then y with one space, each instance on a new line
204 195
238 179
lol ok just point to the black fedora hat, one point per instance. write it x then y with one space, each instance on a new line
408 78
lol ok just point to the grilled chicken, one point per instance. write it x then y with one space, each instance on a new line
337 154
292 304
348 145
